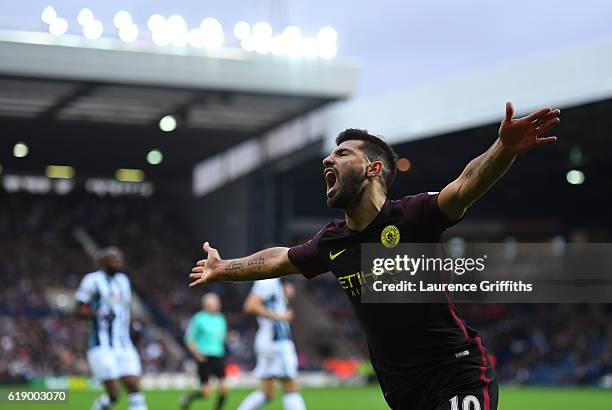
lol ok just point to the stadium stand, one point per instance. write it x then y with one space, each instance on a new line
535 344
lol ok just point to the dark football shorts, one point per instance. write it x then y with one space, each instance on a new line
479 398
212 366
461 384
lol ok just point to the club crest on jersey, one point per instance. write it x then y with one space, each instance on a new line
390 236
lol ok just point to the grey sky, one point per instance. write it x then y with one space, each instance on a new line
399 43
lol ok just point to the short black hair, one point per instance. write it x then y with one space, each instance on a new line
106 252
375 149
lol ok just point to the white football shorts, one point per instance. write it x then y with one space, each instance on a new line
276 360
111 363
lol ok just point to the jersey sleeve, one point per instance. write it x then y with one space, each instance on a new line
263 288
425 207
306 257
86 290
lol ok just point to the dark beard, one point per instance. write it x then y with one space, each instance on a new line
350 192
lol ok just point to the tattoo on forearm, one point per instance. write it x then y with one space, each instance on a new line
257 262
233 266
254 262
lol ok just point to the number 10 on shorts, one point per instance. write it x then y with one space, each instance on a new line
469 403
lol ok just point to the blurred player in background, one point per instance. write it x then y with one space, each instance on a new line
424 355
104 297
275 351
205 339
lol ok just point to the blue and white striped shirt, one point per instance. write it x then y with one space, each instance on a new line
105 293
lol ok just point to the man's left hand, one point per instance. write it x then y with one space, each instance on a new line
523 134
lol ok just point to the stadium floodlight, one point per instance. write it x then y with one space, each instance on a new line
327 35
328 52
575 177
278 45
122 18
309 47
213 33
155 157
210 25
48 15
242 29
58 27
248 43
196 38
176 21
179 37
156 22
85 17
161 37
292 38
130 175
93 30
262 36
292 33
20 150
262 29
129 32
167 123
59 171
326 39
263 45
176 28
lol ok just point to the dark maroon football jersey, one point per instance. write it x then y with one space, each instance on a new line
407 341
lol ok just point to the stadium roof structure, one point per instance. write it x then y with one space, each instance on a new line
573 75
111 81
71 85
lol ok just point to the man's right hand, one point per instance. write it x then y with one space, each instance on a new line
207 270
265 264
286 316
200 357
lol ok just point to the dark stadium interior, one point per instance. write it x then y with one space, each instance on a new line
98 127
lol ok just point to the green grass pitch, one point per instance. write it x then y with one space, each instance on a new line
353 398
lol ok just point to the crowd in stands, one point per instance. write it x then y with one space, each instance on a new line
38 251
554 343
549 344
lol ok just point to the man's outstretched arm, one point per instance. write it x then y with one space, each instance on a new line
516 136
265 264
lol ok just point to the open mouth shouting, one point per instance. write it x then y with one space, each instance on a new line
331 179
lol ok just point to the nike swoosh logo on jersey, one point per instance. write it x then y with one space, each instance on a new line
333 256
